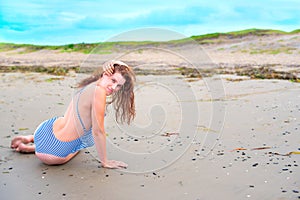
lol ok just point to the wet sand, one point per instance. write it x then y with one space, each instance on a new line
214 157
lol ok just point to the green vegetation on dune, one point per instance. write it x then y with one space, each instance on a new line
258 32
295 31
208 38
27 47
109 47
97 48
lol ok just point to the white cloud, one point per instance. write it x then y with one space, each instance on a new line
70 17
126 15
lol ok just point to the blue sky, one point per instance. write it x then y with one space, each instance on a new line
64 21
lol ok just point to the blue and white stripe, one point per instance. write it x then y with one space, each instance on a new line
46 142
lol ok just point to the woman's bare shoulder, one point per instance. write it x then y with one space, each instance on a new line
100 92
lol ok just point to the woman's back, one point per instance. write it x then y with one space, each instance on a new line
78 116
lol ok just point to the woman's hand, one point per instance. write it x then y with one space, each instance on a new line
109 68
114 164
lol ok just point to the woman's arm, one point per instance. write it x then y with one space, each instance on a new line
98 112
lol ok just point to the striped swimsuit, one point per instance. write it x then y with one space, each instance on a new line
46 142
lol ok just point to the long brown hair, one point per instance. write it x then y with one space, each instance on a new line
123 99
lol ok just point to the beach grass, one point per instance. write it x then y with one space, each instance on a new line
110 47
59 71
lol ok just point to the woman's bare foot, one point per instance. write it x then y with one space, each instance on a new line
21 144
26 148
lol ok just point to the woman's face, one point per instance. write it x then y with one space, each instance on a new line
112 83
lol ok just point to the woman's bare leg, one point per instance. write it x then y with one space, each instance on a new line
54 160
22 144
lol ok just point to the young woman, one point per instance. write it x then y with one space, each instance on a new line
59 139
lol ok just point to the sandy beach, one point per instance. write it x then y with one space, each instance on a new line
222 136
